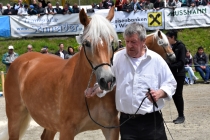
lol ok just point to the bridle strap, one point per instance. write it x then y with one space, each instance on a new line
96 67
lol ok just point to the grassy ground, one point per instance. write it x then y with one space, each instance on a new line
192 38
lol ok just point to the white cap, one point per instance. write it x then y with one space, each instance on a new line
11 48
119 40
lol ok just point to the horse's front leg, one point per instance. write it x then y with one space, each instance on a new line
48 135
112 134
67 132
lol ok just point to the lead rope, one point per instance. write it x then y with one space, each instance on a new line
111 127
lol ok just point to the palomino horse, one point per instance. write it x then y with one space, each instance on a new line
158 42
51 90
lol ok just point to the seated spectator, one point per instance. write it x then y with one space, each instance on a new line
119 4
177 4
159 4
44 4
136 5
67 9
58 9
100 6
1 9
49 10
61 52
128 7
110 3
23 11
9 10
31 10
75 8
29 48
188 68
148 5
9 57
40 10
70 53
201 64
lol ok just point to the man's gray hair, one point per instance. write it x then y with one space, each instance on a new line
135 28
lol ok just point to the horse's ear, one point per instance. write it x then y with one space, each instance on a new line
83 18
159 34
111 13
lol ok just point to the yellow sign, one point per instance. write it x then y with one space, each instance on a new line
154 19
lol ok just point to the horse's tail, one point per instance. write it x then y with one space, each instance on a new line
23 127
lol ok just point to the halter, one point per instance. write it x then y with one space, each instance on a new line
96 67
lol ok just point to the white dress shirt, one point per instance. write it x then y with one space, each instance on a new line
135 77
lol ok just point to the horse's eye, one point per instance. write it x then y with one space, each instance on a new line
86 44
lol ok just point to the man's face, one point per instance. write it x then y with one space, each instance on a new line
10 51
134 46
61 46
40 4
200 51
8 6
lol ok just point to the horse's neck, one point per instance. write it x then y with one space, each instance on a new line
82 70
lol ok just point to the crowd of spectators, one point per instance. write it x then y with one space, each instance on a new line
38 8
41 7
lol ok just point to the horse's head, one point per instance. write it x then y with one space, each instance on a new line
159 43
98 40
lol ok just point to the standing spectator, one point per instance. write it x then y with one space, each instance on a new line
9 10
200 60
23 11
128 7
188 68
49 10
170 3
159 4
70 53
1 9
29 48
40 10
9 57
44 50
136 5
178 71
75 8
148 5
58 9
61 52
135 69
100 6
44 4
105 4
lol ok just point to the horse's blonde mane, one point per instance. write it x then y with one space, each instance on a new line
164 37
99 28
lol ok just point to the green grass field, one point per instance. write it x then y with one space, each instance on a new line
192 38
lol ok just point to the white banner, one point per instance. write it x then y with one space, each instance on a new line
46 25
187 17
151 19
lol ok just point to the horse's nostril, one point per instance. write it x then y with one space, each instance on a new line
113 80
102 82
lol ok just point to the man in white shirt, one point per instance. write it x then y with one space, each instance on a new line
140 73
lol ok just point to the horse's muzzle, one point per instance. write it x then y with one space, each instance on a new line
107 83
